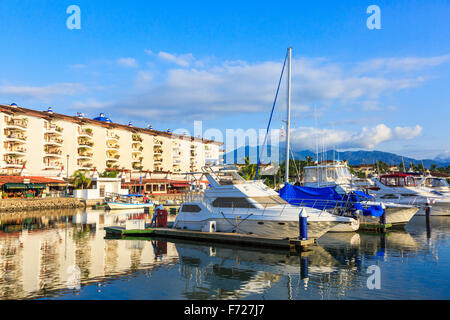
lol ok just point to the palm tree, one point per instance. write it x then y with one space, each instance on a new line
80 181
248 170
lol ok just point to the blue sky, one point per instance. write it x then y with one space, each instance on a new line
170 63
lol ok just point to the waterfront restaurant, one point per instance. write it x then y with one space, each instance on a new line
30 187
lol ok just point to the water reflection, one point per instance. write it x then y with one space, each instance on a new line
38 249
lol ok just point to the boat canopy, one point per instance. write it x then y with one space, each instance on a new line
398 180
319 198
328 198
132 195
326 174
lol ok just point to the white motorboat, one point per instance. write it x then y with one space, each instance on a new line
402 188
338 175
128 201
232 204
438 185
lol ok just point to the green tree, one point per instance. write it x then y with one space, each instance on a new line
109 174
80 181
248 170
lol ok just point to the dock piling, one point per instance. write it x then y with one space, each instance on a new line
303 225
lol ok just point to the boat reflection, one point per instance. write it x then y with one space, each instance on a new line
224 272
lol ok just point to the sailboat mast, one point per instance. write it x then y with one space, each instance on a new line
288 118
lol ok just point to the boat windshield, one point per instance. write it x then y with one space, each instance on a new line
436 182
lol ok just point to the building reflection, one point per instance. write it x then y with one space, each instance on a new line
38 249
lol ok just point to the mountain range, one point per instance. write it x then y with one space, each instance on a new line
353 157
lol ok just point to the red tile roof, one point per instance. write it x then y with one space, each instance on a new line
33 179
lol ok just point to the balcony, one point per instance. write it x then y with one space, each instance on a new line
15 136
85 132
13 149
137 166
17 123
157 142
52 165
85 142
53 141
111 164
85 156
111 136
13 162
52 153
84 163
112 157
157 150
113 147
53 129
136 138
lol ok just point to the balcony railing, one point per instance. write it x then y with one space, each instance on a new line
112 136
23 123
15 150
53 140
85 132
17 136
14 161
136 138
53 128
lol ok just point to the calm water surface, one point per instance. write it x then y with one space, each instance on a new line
43 254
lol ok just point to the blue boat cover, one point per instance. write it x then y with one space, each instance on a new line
328 198
319 198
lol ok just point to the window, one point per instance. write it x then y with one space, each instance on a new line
389 196
190 208
232 203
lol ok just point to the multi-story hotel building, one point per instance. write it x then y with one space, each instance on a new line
44 143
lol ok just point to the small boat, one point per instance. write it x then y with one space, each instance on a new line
129 201
403 188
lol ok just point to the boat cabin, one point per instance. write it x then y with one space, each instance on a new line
326 175
398 180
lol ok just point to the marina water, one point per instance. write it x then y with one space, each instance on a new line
64 254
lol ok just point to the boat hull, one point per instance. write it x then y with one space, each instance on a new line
397 216
437 209
262 228
122 206
346 227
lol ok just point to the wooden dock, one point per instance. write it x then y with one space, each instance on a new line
291 244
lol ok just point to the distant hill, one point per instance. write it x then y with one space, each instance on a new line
353 157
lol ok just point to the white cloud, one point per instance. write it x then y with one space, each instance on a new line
42 92
183 60
401 64
308 137
237 87
127 62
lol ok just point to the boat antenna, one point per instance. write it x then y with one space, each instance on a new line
288 119
270 119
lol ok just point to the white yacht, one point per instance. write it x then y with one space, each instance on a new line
402 188
233 204
338 175
437 185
